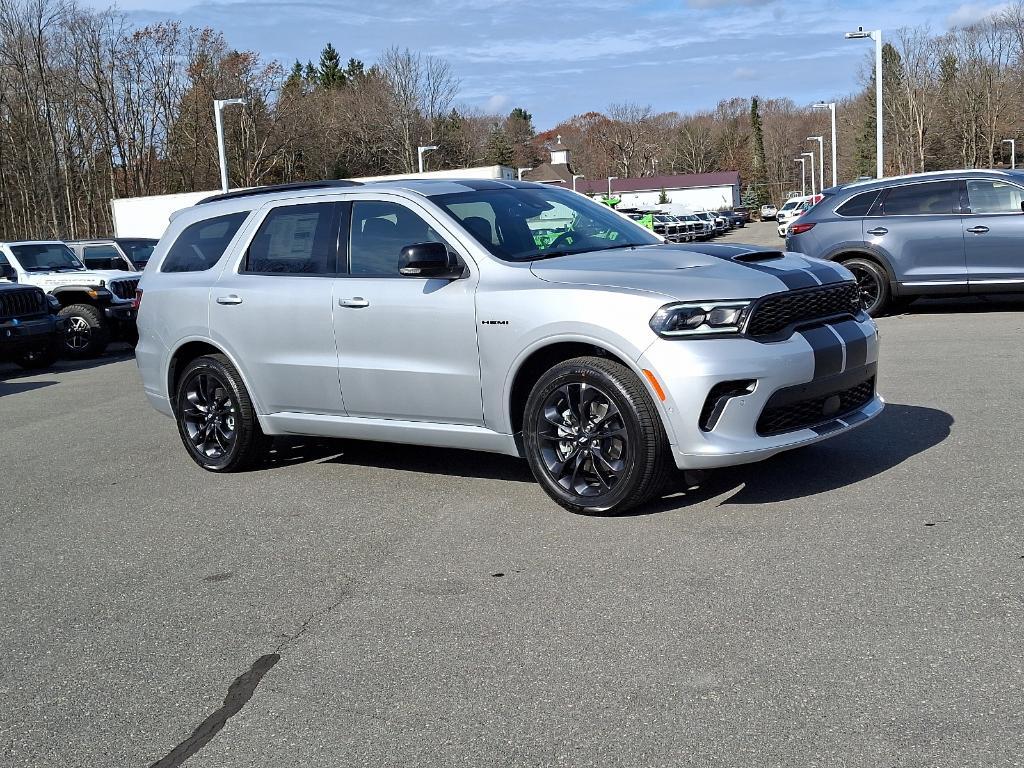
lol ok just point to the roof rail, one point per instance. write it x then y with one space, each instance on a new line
271 188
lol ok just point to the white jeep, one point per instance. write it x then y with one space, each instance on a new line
99 304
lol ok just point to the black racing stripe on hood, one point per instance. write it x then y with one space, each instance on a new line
828 351
826 273
794 279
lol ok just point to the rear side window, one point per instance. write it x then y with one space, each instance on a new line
859 205
100 256
936 197
297 240
200 245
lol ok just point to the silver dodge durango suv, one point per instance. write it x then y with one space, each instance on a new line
499 316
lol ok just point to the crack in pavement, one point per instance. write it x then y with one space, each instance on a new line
239 693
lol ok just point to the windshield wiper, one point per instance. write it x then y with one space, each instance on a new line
556 254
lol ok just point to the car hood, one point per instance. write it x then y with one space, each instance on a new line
692 272
90 277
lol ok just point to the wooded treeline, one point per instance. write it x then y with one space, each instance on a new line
93 108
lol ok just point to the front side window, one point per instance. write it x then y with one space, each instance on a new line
380 230
46 257
200 245
938 197
296 240
525 224
990 196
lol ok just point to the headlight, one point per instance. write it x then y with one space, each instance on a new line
700 318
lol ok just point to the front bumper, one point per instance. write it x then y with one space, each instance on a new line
122 317
689 369
19 335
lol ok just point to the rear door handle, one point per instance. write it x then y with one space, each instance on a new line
356 302
232 299
878 231
978 230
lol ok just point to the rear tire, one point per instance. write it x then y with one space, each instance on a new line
88 334
873 283
593 437
216 419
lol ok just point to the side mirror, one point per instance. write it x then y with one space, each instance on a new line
7 272
428 260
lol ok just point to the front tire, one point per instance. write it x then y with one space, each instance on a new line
593 437
873 283
216 418
88 334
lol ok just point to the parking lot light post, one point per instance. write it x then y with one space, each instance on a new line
831 107
521 171
1013 152
574 177
810 155
420 152
875 35
218 118
803 175
821 160
610 180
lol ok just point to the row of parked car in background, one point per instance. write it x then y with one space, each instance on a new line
688 227
68 299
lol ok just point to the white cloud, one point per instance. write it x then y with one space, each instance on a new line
743 73
497 103
969 13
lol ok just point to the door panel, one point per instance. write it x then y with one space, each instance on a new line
407 346
994 234
274 311
921 233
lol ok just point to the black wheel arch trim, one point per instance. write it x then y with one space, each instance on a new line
855 250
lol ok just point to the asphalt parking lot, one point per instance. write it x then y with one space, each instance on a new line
855 603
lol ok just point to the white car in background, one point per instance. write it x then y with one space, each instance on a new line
793 209
768 212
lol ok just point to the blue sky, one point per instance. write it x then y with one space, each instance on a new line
564 57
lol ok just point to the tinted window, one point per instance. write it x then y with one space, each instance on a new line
379 233
201 245
138 251
296 240
989 196
919 199
99 256
44 257
859 205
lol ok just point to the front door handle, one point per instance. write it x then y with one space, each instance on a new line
232 299
356 302
878 231
978 230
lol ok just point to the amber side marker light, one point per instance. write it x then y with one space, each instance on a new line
654 383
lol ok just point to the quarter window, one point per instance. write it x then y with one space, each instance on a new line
380 230
921 199
858 205
989 196
296 240
200 245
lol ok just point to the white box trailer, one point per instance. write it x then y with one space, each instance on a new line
149 216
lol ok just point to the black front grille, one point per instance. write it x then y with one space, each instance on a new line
775 313
22 302
124 289
806 413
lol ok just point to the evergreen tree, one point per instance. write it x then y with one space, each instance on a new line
330 74
295 76
311 74
760 180
354 70
499 150
663 198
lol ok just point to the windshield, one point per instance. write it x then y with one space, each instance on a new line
790 205
522 224
46 257
138 250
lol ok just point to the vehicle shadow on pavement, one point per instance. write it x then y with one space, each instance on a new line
10 371
23 386
1010 302
899 433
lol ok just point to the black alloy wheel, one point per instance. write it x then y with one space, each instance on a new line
873 284
216 418
594 438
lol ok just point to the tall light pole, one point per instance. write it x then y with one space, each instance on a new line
521 171
574 177
831 106
1013 152
610 180
810 155
821 160
420 152
875 35
218 118
803 175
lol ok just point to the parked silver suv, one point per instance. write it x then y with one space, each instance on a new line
498 316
